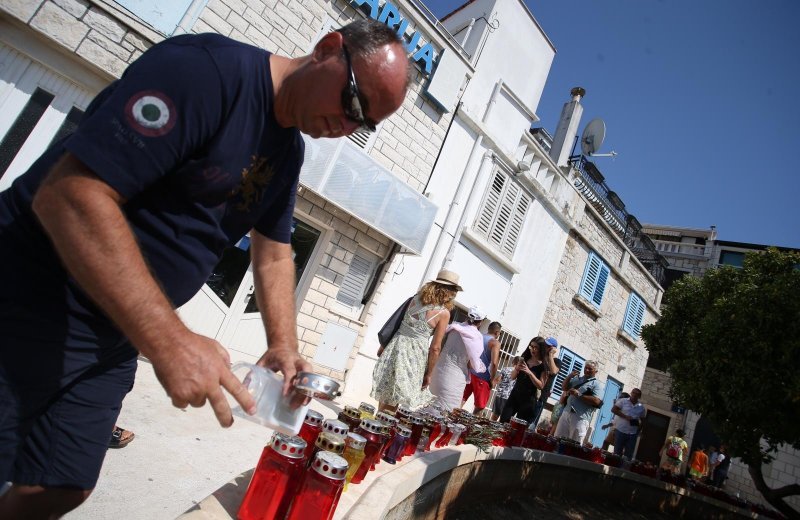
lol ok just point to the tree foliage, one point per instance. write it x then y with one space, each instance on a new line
731 344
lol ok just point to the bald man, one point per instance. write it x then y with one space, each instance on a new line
122 221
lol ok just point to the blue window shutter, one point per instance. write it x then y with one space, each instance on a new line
634 315
600 289
569 362
590 275
595 279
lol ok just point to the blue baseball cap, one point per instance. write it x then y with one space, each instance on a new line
553 342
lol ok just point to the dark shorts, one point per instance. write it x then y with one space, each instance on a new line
480 388
60 395
499 403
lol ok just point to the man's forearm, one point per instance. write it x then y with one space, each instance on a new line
82 216
274 285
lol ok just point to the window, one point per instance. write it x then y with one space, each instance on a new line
22 127
502 213
595 277
163 16
569 361
732 258
634 314
355 281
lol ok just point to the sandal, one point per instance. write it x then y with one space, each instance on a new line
120 438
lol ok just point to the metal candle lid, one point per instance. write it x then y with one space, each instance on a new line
366 407
417 419
371 426
403 431
403 410
517 420
386 418
385 429
335 427
352 411
288 446
316 385
330 465
327 441
456 427
355 441
313 418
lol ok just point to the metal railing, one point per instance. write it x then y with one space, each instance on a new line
592 185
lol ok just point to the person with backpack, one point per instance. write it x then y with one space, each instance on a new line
675 449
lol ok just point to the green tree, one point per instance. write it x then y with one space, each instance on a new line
731 344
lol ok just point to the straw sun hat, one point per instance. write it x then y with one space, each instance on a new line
446 277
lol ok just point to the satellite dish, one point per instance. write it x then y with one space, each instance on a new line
593 136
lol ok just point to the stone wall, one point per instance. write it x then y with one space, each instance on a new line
581 328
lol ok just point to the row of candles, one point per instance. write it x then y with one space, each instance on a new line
303 476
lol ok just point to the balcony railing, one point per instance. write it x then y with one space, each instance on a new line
592 185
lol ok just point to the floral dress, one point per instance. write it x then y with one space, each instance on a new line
397 378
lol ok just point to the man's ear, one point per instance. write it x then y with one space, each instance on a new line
329 46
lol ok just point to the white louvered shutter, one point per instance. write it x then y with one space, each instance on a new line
502 214
356 279
490 204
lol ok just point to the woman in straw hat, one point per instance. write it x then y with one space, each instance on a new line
405 366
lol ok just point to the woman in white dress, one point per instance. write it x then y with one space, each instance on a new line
462 350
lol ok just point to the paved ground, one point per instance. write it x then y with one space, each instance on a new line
177 458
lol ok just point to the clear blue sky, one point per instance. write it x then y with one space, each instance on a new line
700 100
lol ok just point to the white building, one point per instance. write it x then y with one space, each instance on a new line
454 179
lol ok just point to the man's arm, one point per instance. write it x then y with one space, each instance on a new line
494 347
274 284
82 215
616 410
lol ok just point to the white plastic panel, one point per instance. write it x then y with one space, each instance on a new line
335 347
352 180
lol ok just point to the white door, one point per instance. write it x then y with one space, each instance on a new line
36 106
226 309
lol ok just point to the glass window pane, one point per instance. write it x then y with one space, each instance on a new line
23 125
304 239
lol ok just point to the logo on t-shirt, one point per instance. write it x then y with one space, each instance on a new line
151 113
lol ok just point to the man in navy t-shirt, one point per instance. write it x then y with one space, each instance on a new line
117 224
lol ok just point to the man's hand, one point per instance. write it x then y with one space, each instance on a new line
288 362
426 380
195 369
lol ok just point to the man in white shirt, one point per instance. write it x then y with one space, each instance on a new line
629 413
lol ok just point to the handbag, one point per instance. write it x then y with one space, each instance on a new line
389 329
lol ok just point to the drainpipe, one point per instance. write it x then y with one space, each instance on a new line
469 30
430 270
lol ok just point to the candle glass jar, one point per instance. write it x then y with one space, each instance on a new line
403 412
367 411
517 432
320 489
309 432
370 429
351 416
275 479
458 436
417 425
327 441
353 454
386 437
397 444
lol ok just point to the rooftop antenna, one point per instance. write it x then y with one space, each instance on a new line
593 136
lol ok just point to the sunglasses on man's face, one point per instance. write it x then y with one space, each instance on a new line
351 104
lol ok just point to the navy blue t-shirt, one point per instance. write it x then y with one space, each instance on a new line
188 137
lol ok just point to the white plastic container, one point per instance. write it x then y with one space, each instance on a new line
272 408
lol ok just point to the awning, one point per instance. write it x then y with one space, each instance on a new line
347 177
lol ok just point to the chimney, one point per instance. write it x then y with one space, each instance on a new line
567 127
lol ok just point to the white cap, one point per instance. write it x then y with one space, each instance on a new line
476 314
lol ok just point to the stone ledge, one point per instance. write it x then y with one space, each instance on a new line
587 305
627 338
